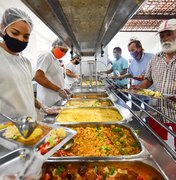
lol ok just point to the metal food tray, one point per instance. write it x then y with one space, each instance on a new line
12 144
83 100
138 92
143 163
89 95
13 162
123 120
69 134
143 154
126 114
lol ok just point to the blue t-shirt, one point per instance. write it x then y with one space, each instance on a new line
137 68
118 66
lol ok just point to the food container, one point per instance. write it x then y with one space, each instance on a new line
89 114
12 136
76 102
28 161
144 168
86 83
90 95
13 162
102 141
69 133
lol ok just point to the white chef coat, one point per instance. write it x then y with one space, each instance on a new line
70 80
54 73
16 90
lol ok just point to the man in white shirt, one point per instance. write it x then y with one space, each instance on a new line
72 72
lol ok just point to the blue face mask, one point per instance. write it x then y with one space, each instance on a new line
135 54
14 44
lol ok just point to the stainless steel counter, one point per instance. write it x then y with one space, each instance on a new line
162 157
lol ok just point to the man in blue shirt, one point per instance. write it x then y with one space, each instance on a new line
137 68
119 67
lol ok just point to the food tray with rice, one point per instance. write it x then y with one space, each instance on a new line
89 114
90 95
102 141
88 102
142 169
144 92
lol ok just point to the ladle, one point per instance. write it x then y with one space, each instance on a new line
25 124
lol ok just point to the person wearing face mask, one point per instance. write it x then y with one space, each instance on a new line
49 75
16 90
119 67
72 72
137 68
161 73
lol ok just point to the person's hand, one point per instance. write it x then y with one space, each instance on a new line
68 91
78 77
139 78
49 110
62 93
137 87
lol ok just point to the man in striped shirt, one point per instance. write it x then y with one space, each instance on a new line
161 72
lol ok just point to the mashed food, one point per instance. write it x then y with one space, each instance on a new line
39 132
89 115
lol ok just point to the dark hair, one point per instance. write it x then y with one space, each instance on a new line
118 49
136 42
76 57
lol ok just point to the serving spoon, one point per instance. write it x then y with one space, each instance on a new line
68 145
25 124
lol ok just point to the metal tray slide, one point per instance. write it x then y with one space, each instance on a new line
142 153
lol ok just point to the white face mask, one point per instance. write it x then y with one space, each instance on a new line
169 46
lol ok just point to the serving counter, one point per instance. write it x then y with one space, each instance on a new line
153 153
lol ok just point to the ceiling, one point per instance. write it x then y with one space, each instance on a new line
86 25
149 16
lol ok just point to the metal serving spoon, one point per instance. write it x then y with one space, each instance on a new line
25 124
68 145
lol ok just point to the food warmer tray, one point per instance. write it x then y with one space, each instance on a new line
13 161
142 153
125 113
108 100
123 120
147 165
89 95
12 144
